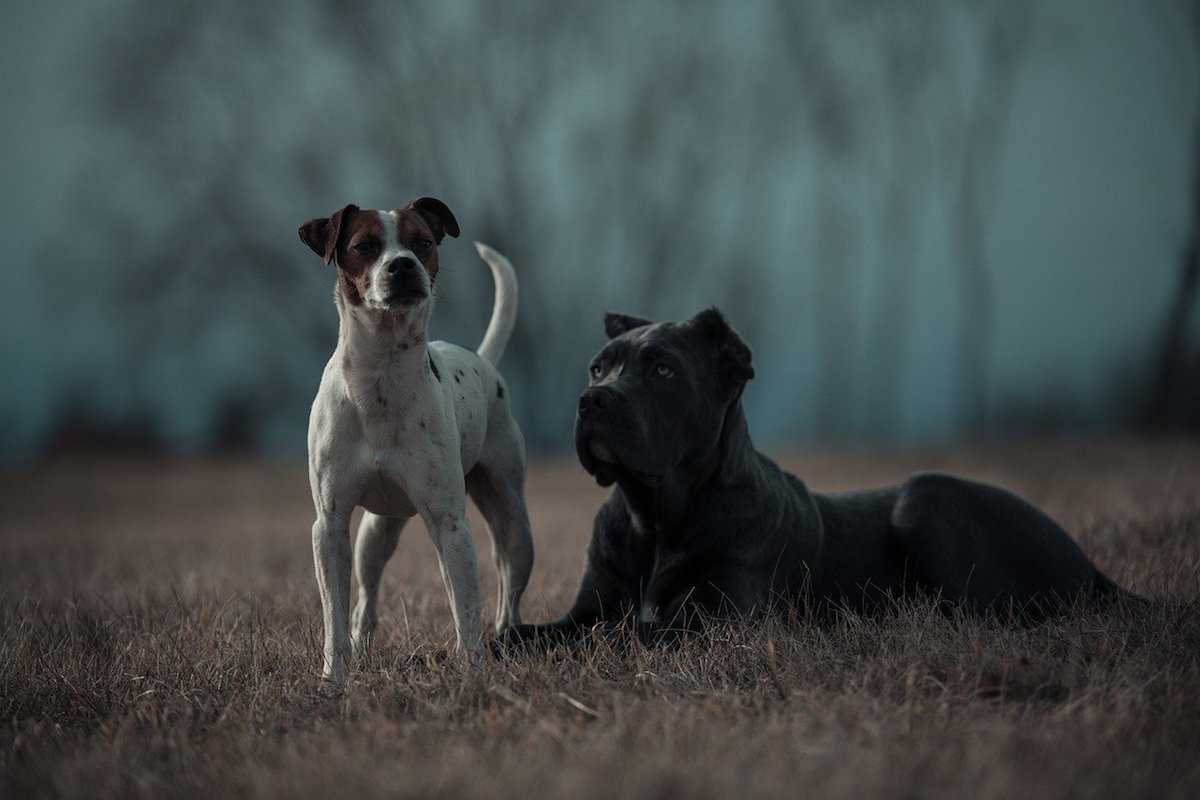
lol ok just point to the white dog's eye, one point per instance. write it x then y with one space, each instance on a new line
365 248
422 244
663 371
595 371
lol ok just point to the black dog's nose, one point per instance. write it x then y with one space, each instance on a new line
402 263
595 397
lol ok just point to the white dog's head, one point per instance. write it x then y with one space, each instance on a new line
386 260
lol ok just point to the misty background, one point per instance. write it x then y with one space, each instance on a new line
931 221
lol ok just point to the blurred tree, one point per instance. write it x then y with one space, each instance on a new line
1175 396
930 113
1005 32
916 53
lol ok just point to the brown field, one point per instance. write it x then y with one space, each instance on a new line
161 637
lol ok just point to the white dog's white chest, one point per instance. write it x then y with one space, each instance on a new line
382 495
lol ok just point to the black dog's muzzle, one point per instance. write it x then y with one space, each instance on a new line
606 441
595 398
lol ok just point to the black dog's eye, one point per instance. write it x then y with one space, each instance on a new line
365 248
595 371
663 371
422 244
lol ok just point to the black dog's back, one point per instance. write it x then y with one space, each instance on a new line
986 549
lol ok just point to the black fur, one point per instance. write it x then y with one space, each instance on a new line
700 525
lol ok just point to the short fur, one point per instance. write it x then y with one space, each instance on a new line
403 427
700 525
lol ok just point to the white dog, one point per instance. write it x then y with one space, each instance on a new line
402 427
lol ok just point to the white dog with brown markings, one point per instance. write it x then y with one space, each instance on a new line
404 427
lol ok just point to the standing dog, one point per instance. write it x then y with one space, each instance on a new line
701 525
403 427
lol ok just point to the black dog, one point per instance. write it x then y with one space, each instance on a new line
700 524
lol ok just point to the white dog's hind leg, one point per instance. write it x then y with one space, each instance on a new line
376 542
331 553
499 493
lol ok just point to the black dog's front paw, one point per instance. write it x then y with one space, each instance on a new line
533 637
503 644
512 640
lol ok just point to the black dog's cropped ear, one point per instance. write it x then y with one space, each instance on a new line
321 235
734 359
439 217
616 324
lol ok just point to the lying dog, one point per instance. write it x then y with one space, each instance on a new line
701 525
402 427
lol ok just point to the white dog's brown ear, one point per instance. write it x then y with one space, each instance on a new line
616 324
734 359
438 215
321 235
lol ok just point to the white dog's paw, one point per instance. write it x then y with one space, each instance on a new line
330 688
473 656
360 643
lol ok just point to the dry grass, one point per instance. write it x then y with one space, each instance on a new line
161 637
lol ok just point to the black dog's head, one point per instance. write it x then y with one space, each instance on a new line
658 396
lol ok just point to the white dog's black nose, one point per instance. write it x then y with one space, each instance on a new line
399 264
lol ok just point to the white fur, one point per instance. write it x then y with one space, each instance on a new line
389 435
504 311
376 296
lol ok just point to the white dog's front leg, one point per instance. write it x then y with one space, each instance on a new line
456 553
377 538
331 556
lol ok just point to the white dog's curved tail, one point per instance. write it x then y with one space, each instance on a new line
504 311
